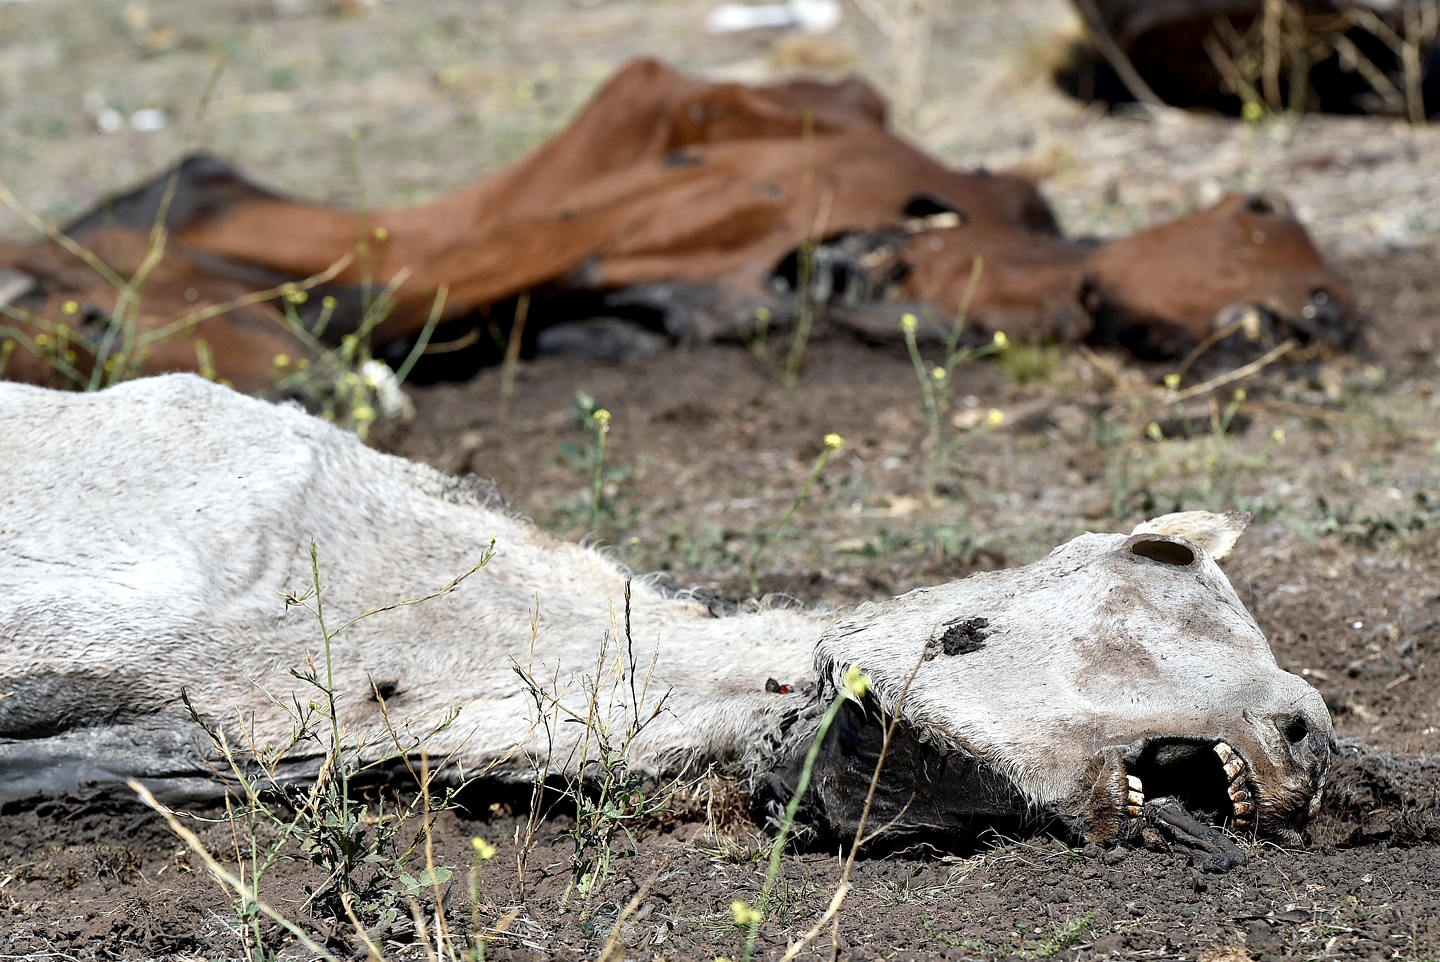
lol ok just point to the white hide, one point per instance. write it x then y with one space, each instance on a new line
151 530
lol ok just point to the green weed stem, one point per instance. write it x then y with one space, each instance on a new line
772 871
833 443
601 425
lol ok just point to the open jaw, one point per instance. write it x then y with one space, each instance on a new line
1207 776
932 792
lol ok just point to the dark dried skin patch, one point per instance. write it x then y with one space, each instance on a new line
961 637
943 798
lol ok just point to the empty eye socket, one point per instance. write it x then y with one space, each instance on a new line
1165 551
926 204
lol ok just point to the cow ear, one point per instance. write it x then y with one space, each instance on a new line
1216 533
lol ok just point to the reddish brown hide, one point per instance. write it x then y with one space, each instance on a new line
681 205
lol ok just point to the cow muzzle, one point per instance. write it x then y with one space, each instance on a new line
1323 318
1266 777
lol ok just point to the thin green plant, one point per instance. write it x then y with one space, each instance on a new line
804 312
594 508
601 419
361 854
611 799
854 684
937 382
832 444
481 852
804 305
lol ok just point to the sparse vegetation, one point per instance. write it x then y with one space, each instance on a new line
1062 936
362 854
605 503
950 431
832 445
610 798
90 350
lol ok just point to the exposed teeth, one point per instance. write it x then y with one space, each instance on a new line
1134 795
1241 801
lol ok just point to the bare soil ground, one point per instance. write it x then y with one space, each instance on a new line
1335 456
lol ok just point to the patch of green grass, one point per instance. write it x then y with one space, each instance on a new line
1062 936
1031 362
1370 529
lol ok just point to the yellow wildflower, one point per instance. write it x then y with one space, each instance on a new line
381 233
282 360
1278 435
1240 395
856 681
483 849
1153 432
834 441
937 372
602 417
745 913
908 323
1001 340
296 296
1172 381
995 417
70 307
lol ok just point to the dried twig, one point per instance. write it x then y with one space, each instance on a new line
1238 374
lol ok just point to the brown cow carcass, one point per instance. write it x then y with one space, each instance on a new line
673 204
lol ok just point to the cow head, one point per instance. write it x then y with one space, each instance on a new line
1244 267
1119 668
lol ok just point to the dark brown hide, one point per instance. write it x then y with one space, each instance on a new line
1173 46
682 202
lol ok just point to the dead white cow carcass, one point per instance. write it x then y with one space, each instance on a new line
151 530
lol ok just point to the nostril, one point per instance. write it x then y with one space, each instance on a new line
1293 728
